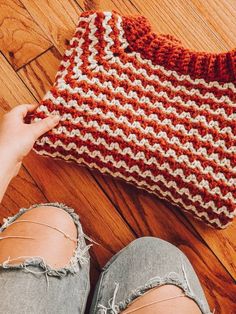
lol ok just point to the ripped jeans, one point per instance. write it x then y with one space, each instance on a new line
32 286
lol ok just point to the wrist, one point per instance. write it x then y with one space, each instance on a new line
8 164
7 172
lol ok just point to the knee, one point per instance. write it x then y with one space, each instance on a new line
154 246
144 242
45 231
53 216
41 217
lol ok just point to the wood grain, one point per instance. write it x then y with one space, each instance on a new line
220 16
122 6
13 91
22 192
221 242
57 18
184 22
21 39
39 74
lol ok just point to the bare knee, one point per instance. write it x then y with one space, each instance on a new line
53 216
47 231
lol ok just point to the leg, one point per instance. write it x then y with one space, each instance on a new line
166 299
149 276
44 262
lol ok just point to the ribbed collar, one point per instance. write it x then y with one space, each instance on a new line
169 52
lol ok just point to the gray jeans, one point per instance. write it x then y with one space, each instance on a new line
33 287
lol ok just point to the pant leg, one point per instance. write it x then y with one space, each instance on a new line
144 264
33 287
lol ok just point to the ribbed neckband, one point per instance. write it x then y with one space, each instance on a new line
169 52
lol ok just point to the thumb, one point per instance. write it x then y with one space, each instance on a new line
45 125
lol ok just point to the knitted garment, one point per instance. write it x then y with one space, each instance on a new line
141 107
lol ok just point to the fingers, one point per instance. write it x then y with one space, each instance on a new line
45 125
22 110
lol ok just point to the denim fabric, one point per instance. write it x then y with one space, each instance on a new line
144 264
35 288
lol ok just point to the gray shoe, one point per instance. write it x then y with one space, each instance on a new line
144 264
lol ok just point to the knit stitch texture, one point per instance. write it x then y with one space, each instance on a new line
141 107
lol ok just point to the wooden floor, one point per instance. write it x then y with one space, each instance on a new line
33 37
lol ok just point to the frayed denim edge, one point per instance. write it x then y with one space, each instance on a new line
80 256
157 281
172 278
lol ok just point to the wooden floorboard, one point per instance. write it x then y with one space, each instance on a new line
183 20
21 39
33 37
39 74
57 19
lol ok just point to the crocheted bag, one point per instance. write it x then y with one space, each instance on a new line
141 107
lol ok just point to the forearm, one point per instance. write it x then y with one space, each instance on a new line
7 172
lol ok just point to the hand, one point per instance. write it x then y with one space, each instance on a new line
17 138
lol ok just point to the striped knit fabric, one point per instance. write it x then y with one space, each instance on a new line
141 107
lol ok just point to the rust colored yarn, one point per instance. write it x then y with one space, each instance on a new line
141 107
